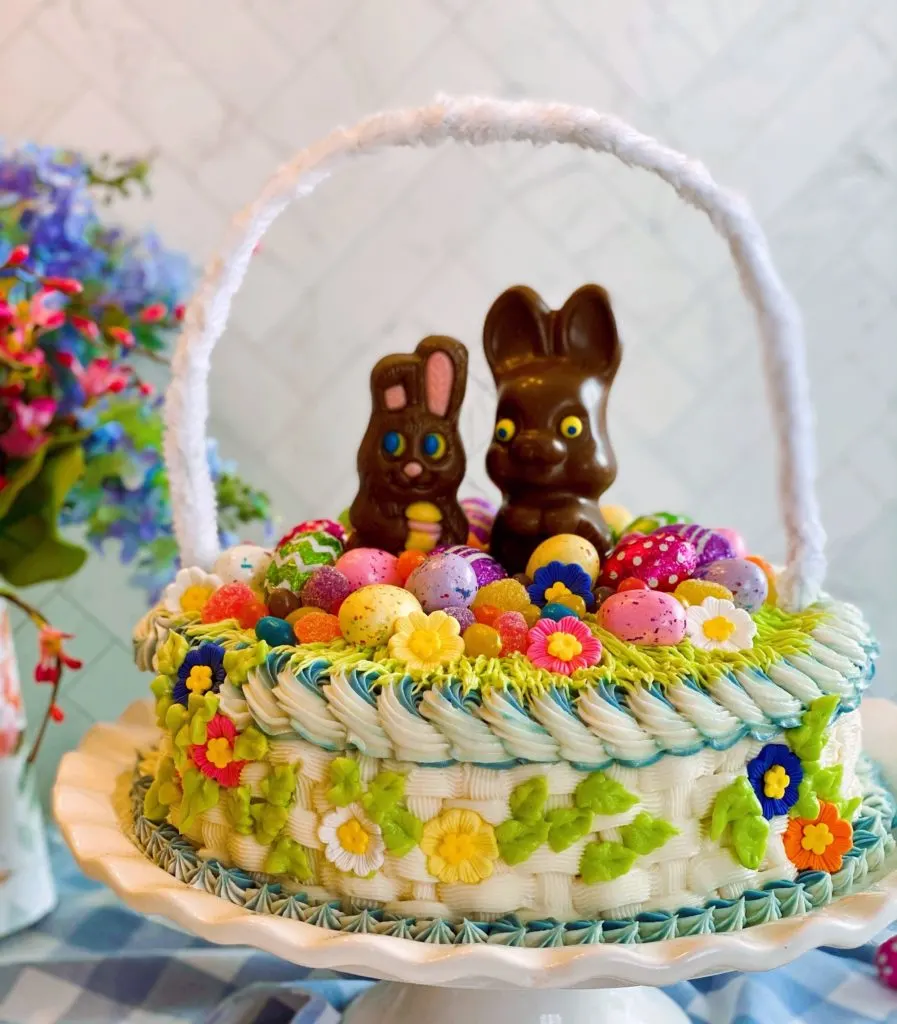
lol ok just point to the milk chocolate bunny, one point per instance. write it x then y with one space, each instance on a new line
411 460
550 454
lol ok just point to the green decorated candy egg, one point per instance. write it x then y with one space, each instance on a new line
295 561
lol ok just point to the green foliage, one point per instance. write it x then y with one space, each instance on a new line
200 795
807 805
601 794
808 739
519 840
605 861
279 787
236 807
737 800
566 826
267 821
345 782
163 793
161 688
239 662
646 834
385 792
287 857
252 745
170 655
749 837
401 830
527 800
201 709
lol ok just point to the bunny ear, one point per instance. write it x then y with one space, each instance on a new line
444 362
515 329
585 331
395 383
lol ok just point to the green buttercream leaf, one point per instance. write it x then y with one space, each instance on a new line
566 826
827 783
200 795
385 792
518 840
737 800
268 821
280 785
240 662
251 745
749 838
646 834
163 793
401 830
850 808
201 707
808 739
161 687
807 805
601 794
287 857
345 782
603 862
528 800
170 656
236 807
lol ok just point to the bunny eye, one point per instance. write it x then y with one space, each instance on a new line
433 445
504 430
571 426
394 443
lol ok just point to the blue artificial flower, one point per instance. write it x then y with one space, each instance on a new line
205 657
775 775
549 583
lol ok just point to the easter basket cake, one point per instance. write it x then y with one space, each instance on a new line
550 722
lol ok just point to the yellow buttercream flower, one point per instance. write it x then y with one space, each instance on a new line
459 846
425 642
219 751
555 591
775 782
817 838
200 679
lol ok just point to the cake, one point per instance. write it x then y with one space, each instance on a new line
548 723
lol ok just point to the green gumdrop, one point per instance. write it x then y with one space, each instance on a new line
163 792
251 745
646 834
528 800
170 655
401 830
737 800
345 782
566 826
827 783
601 794
518 841
749 838
605 861
385 792
161 688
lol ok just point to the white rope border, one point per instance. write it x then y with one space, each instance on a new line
479 122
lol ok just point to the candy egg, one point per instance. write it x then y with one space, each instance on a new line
245 563
327 588
653 521
556 611
745 579
508 595
734 538
694 591
463 615
480 517
368 616
443 580
364 567
282 603
315 526
617 517
661 560
770 573
295 561
709 545
275 632
648 618
481 641
567 548
484 566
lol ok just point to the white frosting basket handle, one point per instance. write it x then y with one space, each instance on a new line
479 122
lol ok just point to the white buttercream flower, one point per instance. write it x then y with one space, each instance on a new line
717 625
353 843
189 590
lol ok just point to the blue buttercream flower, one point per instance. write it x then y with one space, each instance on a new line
559 579
775 774
202 671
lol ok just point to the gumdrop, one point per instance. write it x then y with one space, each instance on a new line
407 562
316 628
300 613
327 588
487 614
509 595
633 583
234 601
514 632
532 614
464 616
481 641
556 611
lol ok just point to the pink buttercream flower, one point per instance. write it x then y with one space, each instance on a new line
26 434
215 757
563 647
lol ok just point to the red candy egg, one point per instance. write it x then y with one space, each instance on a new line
662 560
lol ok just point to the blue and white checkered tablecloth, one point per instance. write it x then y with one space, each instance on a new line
95 961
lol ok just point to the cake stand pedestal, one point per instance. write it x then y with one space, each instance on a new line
442 984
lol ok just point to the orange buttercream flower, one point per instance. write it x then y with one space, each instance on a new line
818 844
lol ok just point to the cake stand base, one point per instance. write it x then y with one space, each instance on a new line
391 1002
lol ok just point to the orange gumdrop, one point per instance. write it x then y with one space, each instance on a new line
487 614
316 628
408 561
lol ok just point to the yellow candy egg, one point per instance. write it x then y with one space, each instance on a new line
532 615
507 594
694 591
481 641
566 548
617 517
368 615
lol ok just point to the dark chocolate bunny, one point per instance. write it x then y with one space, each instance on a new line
550 454
411 461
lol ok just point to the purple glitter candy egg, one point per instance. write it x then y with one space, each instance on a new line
710 546
464 616
484 566
327 588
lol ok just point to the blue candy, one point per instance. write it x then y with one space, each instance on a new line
275 632
554 610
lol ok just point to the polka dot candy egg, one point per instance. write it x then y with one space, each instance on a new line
662 560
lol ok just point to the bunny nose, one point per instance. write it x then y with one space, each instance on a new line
533 447
413 469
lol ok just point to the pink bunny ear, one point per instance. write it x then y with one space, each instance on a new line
444 375
439 379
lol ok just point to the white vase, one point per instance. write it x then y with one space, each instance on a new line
27 891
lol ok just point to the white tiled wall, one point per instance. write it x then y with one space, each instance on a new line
792 101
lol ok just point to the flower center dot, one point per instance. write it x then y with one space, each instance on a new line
555 591
719 628
425 644
564 646
353 837
817 838
194 598
457 847
775 782
219 752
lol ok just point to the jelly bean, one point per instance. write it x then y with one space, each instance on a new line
481 641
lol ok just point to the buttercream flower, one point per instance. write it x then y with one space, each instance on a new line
559 579
775 774
352 842
201 671
717 625
564 646
459 846
425 642
215 757
818 844
190 590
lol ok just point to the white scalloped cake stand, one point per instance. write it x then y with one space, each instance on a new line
442 984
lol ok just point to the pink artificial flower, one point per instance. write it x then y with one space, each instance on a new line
86 326
26 434
563 647
100 377
215 758
52 657
154 313
66 285
17 256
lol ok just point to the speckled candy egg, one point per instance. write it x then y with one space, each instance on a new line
295 561
480 517
567 548
745 579
617 517
441 581
245 563
661 560
648 618
709 545
367 617
484 566
364 567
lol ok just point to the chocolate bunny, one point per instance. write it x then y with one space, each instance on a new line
550 454
411 461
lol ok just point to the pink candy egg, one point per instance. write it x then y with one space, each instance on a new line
364 567
480 517
662 560
886 962
734 538
710 545
330 526
645 617
484 566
